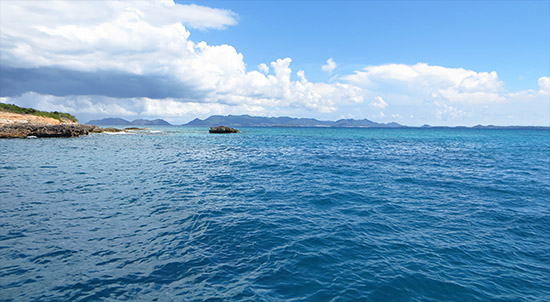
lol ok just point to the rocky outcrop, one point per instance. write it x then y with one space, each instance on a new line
45 130
23 130
223 129
101 130
17 125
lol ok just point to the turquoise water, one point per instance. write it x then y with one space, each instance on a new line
277 214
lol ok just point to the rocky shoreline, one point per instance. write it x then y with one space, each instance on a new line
17 125
63 130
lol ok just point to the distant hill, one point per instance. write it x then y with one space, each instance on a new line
259 121
110 122
123 122
284 121
157 122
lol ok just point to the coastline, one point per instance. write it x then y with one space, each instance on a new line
15 125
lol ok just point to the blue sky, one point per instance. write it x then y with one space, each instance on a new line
510 37
413 62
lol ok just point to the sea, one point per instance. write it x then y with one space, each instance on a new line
277 214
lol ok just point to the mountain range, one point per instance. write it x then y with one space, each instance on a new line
123 122
248 121
260 121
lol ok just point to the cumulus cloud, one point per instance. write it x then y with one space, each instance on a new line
432 82
263 68
330 66
125 50
446 112
65 13
378 102
542 94
452 96
544 85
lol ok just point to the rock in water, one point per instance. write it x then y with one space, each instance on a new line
112 130
223 129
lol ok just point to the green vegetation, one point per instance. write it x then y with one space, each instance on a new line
21 110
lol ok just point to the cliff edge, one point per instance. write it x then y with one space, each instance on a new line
19 122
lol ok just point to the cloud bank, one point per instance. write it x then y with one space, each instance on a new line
451 96
436 82
142 50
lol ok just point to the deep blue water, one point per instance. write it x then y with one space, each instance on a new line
277 214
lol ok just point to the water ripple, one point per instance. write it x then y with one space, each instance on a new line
277 215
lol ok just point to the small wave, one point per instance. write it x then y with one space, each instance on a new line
118 133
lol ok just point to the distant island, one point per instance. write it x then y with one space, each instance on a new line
123 122
17 121
284 121
248 121
260 121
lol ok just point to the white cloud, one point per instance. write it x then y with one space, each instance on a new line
149 39
452 96
544 85
446 112
91 107
378 102
157 13
432 82
263 68
543 94
330 66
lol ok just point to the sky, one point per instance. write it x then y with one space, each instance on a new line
412 62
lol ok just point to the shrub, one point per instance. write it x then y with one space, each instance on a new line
21 110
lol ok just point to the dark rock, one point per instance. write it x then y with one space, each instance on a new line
112 130
66 130
223 129
96 129
11 131
24 130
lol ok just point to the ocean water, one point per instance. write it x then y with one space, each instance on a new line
277 214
